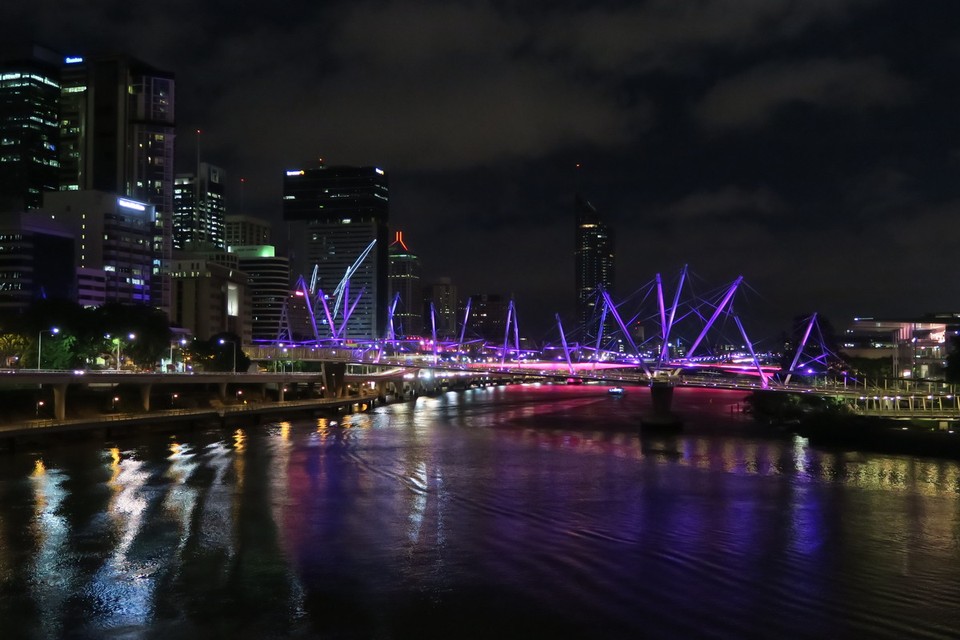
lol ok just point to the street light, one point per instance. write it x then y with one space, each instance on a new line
234 346
183 343
52 331
39 404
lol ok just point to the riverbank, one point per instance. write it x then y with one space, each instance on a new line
38 432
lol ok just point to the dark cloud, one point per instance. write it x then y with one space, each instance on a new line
753 97
806 144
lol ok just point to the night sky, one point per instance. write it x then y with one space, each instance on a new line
808 145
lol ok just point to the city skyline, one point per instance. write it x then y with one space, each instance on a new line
788 142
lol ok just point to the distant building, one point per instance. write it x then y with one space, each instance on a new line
443 295
268 277
199 210
488 317
117 136
246 231
916 346
113 244
36 260
337 225
210 297
29 127
593 260
404 278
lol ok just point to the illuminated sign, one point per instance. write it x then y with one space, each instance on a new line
130 204
295 172
72 60
379 171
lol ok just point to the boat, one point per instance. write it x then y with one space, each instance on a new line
616 391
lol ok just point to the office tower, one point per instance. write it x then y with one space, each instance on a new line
29 106
337 224
404 278
246 231
443 295
268 278
488 317
199 210
593 259
210 296
113 237
36 260
117 136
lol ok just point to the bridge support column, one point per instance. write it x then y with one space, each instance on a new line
59 401
145 396
222 391
661 416
381 391
280 391
334 379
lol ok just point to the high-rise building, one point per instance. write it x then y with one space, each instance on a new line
443 295
404 278
268 279
488 317
36 260
29 129
337 225
117 134
593 259
199 209
112 251
246 231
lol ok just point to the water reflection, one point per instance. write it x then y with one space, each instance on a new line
518 512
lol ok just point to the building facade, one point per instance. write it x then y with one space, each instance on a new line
36 261
442 294
29 128
404 279
210 297
246 231
268 278
113 244
593 262
199 209
337 237
117 133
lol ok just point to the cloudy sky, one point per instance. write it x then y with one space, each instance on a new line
808 145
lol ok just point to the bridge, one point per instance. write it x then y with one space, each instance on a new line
681 351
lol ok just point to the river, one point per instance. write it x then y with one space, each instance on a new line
505 512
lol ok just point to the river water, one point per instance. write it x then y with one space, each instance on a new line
507 512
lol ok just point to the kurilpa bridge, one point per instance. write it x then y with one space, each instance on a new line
648 339
656 336
690 334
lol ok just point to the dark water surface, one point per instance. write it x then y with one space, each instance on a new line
514 512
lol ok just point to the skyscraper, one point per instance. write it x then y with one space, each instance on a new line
112 253
29 106
337 225
443 295
268 277
593 260
404 278
117 134
199 210
244 230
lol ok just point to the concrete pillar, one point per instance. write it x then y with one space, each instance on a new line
280 392
60 401
145 395
222 391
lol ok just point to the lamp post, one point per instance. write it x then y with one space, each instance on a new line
234 347
39 404
52 331
183 343
131 336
